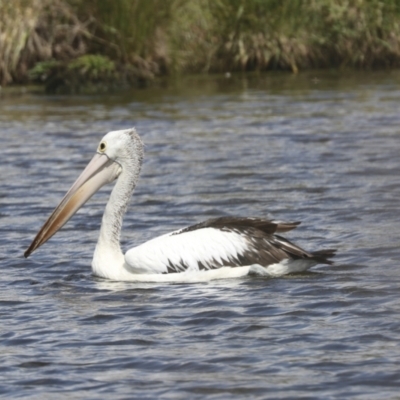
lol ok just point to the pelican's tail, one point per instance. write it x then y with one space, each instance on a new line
323 256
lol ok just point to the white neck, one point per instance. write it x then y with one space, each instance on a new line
108 259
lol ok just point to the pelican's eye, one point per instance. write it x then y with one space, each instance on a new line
102 147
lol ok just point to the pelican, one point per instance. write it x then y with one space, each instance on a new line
220 247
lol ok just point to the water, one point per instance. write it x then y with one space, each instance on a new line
320 148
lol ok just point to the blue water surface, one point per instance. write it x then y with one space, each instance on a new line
323 148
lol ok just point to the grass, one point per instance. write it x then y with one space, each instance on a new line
17 21
133 41
299 34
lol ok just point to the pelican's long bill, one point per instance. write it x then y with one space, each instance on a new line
99 171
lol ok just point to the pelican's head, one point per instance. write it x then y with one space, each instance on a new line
116 152
122 147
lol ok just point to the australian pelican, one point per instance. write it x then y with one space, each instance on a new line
219 247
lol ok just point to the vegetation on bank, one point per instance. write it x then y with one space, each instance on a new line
97 43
